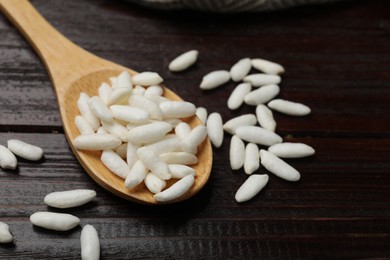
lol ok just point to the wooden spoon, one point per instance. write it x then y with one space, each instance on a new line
73 70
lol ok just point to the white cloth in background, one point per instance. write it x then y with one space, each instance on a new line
227 5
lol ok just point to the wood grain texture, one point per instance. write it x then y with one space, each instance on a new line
337 61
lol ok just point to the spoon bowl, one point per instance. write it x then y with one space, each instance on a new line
74 70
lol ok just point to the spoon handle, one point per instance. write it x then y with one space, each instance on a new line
64 60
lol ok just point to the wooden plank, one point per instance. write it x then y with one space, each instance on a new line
333 184
134 241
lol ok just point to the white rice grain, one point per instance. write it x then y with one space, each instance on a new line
25 150
291 150
260 79
194 139
201 113
170 143
131 154
289 107
100 109
147 78
7 158
149 133
278 167
252 159
69 198
157 99
154 184
117 95
129 114
137 175
139 90
183 61
54 221
124 80
258 135
96 142
267 67
265 118
231 125
215 129
262 95
240 69
86 112
83 126
101 130
89 242
104 92
115 163
177 109
154 163
176 190
236 153
251 187
5 234
179 171
116 129
179 158
215 79
237 96
182 130
154 90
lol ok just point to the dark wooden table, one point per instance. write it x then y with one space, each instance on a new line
337 59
